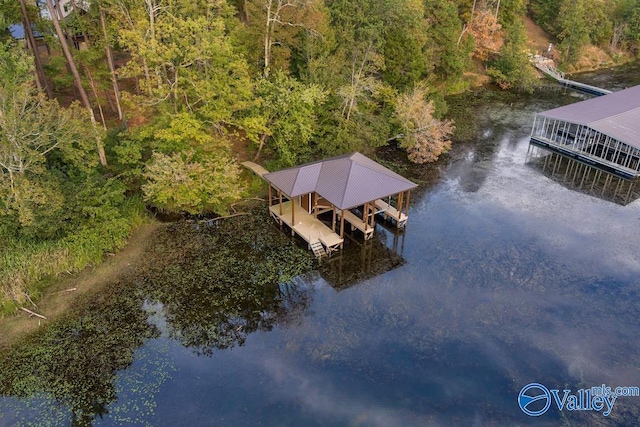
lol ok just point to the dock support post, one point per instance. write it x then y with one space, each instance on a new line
333 219
365 218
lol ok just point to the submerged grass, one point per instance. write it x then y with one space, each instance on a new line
26 266
212 283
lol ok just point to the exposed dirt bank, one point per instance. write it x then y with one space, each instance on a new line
60 297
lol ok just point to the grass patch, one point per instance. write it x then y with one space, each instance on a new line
27 267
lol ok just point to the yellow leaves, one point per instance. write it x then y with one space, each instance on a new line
425 137
487 33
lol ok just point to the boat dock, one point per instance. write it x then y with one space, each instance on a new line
349 187
547 67
305 225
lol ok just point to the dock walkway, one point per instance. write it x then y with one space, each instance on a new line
311 229
255 168
390 212
357 222
547 67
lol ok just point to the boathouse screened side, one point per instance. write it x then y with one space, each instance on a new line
603 132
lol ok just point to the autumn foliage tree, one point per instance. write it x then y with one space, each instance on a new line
424 136
486 31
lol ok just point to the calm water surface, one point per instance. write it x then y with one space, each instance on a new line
502 278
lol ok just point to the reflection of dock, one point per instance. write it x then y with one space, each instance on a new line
585 178
364 260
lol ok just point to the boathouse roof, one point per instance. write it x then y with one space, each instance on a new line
346 181
616 115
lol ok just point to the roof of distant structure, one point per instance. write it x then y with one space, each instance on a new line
616 115
345 181
17 32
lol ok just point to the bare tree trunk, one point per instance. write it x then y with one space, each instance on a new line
263 139
112 106
94 89
41 79
112 68
267 40
468 24
76 77
497 9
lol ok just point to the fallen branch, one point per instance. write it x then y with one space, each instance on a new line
212 220
30 300
65 291
31 313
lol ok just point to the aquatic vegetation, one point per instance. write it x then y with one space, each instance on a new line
212 284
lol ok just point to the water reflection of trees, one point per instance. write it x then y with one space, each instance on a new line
75 360
225 281
215 284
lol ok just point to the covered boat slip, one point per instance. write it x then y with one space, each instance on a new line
350 187
602 132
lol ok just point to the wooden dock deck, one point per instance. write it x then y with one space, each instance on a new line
390 212
358 223
311 229
255 168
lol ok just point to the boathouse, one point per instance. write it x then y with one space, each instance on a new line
597 140
316 199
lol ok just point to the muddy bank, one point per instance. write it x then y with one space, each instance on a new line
65 291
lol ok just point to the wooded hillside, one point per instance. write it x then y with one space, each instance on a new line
110 105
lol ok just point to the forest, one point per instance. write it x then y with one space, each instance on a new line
109 108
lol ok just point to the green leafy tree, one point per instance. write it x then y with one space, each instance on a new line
512 69
449 53
632 30
184 182
289 109
274 29
574 30
37 135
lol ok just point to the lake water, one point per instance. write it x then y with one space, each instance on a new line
502 278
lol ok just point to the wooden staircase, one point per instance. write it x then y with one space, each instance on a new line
317 248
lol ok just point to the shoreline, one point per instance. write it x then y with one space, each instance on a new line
59 297
57 301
